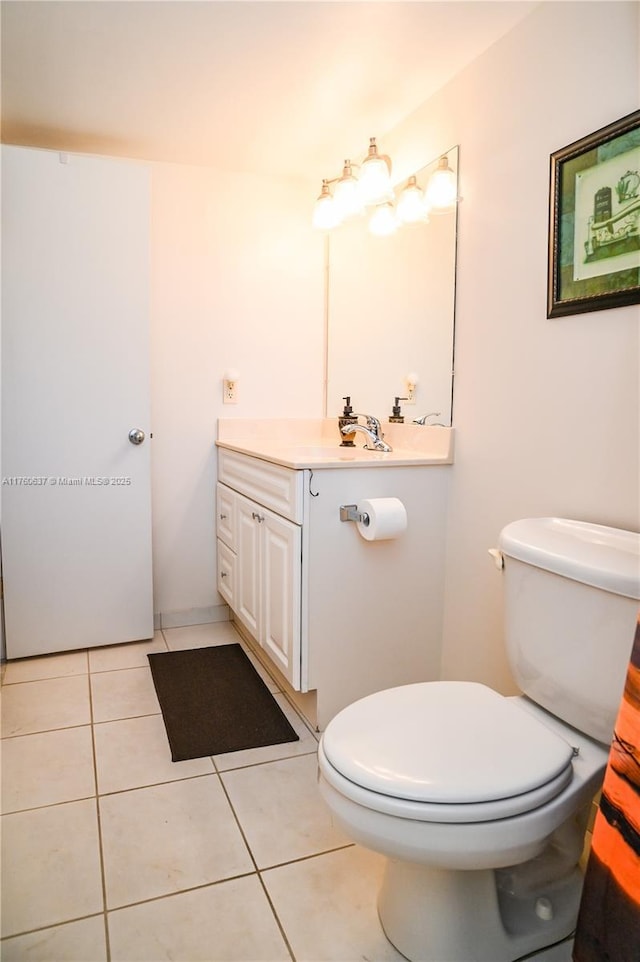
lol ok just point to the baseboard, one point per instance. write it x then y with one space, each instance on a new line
190 616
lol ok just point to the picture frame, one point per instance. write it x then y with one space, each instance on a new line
594 221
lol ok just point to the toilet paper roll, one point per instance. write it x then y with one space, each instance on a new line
387 518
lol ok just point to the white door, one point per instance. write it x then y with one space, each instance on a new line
76 504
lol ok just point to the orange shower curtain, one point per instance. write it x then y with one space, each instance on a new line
609 921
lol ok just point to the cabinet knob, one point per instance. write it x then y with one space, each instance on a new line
257 517
223 574
223 517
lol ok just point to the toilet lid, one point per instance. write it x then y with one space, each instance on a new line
444 742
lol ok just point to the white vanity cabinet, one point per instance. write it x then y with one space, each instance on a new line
260 555
339 616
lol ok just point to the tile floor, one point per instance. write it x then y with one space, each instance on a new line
110 851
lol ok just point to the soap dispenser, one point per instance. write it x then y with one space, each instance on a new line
396 416
347 417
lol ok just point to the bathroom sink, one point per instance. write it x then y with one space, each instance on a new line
329 451
330 455
302 445
309 455
319 450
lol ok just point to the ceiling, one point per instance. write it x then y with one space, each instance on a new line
279 87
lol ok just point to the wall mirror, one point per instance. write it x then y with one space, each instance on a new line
390 313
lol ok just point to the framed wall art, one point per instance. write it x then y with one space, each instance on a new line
594 221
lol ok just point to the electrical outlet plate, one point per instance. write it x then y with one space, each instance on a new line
229 392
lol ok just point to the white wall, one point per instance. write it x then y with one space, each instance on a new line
236 282
545 411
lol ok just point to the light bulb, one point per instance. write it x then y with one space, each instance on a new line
411 207
346 195
325 214
375 177
383 221
442 190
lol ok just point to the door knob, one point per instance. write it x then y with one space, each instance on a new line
136 436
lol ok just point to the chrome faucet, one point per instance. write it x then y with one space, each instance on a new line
372 423
423 420
373 431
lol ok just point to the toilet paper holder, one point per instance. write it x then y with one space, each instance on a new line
349 512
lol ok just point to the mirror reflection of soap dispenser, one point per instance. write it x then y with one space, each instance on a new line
347 417
396 416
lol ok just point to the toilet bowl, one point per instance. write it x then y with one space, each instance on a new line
513 788
479 802
440 799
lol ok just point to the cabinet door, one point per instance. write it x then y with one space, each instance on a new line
281 581
247 581
225 515
226 572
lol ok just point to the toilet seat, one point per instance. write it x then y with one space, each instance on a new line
444 751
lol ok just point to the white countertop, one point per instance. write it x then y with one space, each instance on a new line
315 443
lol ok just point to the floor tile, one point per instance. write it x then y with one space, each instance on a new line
168 838
228 922
281 811
37 706
47 768
123 694
135 752
271 684
307 744
201 636
50 856
45 666
130 655
82 941
327 906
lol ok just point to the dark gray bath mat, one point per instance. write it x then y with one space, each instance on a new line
214 701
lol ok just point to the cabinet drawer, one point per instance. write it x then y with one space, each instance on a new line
226 516
226 572
271 485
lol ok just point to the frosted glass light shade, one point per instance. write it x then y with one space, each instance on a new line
346 194
383 220
375 177
325 214
411 207
442 190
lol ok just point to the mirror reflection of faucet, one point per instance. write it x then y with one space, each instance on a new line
424 419
373 431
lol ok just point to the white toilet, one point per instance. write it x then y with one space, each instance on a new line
480 801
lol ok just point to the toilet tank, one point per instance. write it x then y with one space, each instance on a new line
572 591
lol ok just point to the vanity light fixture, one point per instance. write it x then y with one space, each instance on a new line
352 193
442 190
370 187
